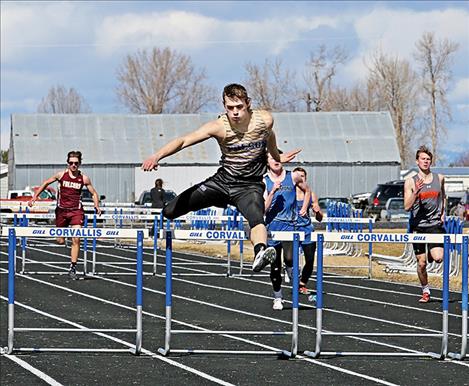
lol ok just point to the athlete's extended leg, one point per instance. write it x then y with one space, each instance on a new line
309 251
196 197
250 203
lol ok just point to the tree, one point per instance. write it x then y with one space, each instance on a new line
59 100
4 156
361 97
271 86
162 81
320 71
434 58
462 160
394 87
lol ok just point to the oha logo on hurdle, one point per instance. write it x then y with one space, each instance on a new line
75 232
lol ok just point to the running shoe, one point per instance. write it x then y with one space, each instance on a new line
425 298
304 290
72 273
278 304
263 258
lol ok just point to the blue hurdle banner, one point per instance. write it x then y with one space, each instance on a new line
385 237
104 233
201 234
12 233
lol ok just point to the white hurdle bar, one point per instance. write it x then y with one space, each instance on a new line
392 238
229 235
13 232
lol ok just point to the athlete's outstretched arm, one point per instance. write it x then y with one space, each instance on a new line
208 130
94 194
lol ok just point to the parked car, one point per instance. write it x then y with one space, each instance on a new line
380 195
462 208
324 201
86 196
394 210
360 200
145 197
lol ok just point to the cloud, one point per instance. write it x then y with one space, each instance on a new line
460 91
27 28
395 32
180 30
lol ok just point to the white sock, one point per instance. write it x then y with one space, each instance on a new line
289 271
426 289
278 294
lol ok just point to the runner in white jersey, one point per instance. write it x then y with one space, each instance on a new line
424 197
244 136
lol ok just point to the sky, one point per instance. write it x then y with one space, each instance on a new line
81 44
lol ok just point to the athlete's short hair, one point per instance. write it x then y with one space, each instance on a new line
235 90
300 169
424 149
74 153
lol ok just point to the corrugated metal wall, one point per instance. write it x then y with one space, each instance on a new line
344 152
116 182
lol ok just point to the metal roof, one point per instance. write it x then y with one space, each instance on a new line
348 137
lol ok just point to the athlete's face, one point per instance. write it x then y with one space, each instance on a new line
237 109
302 175
424 161
73 163
273 165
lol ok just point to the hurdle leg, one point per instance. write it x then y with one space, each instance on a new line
295 295
319 282
169 269
241 256
228 261
139 287
444 340
11 288
155 245
464 301
370 251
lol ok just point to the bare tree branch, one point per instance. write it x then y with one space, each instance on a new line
434 58
271 86
59 100
319 74
162 81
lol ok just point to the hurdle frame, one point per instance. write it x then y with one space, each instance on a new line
294 236
464 302
12 233
411 238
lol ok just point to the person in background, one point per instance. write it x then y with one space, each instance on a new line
157 194
304 224
424 197
69 211
281 215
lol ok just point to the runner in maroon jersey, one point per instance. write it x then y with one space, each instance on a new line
69 211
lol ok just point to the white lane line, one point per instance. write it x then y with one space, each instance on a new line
130 345
336 368
38 373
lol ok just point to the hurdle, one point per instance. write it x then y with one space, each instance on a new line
464 303
176 234
12 234
22 220
387 238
